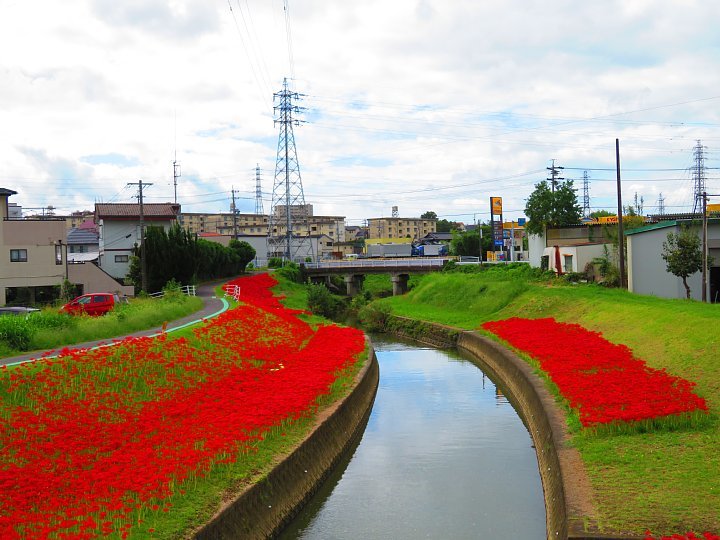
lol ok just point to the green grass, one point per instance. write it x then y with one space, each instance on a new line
51 330
667 481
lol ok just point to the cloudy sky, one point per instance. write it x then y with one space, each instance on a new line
420 104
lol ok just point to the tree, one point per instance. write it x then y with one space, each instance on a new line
429 215
245 252
471 243
546 208
443 225
682 254
601 213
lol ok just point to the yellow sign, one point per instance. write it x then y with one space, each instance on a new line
608 219
496 206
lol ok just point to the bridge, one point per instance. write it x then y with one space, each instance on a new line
356 270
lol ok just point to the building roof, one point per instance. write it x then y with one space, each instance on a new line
8 192
442 236
670 223
78 236
131 210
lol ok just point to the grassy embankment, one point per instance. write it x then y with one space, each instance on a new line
50 329
665 481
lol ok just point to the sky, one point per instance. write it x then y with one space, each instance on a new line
427 105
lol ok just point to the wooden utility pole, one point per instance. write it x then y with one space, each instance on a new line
621 240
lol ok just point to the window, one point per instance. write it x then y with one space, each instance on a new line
567 266
121 258
58 254
18 255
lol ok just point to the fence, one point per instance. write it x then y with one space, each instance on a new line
187 290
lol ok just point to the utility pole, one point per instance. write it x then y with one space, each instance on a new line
621 233
554 175
704 246
176 175
143 258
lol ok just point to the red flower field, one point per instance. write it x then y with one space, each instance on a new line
91 440
604 382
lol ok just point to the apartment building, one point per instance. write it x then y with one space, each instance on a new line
393 228
223 223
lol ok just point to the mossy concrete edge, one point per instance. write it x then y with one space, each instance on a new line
263 509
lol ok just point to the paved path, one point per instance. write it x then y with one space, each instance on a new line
211 306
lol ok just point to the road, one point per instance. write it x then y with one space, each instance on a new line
211 306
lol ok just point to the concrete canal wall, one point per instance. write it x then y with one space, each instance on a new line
264 508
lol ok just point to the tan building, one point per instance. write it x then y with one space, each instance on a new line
34 260
222 223
393 228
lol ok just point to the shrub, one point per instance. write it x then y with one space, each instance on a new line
291 271
322 302
374 317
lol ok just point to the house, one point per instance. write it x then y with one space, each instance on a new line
568 249
119 231
647 271
83 242
32 255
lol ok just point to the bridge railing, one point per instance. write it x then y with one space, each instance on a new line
377 263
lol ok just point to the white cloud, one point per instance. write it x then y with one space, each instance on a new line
424 104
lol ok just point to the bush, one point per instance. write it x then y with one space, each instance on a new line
374 317
291 271
275 262
322 302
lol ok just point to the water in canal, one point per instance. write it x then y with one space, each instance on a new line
444 455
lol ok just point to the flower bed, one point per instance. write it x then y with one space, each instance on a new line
93 442
604 382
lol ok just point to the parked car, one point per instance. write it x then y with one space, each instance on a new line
93 304
17 310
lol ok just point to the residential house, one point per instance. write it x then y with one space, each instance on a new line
32 255
83 242
119 231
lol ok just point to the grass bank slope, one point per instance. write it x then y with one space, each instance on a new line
668 482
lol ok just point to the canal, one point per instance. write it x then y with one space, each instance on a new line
444 455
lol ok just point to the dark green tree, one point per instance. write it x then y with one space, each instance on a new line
244 251
470 243
682 254
545 208
428 215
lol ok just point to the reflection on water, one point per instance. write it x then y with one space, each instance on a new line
444 455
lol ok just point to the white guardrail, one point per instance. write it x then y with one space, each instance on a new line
187 290
377 263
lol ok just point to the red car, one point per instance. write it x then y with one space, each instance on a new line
93 304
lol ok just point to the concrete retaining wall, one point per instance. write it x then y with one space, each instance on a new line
262 510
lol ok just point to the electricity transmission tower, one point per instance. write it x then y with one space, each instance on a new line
661 204
258 192
288 228
698 176
586 194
